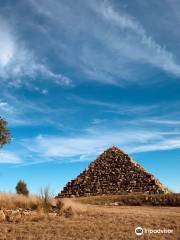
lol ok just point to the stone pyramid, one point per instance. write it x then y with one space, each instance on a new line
113 172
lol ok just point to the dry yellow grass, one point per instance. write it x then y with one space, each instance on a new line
135 199
96 222
14 201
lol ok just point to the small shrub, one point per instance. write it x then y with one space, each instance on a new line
21 188
45 199
5 136
68 212
59 204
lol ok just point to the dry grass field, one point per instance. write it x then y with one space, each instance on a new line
14 201
134 199
88 221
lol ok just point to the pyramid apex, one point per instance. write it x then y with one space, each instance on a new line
115 148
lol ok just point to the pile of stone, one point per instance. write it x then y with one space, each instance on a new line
55 209
113 172
17 215
10 215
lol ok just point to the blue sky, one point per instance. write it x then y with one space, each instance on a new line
77 78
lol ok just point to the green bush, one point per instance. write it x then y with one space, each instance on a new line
21 188
5 136
46 199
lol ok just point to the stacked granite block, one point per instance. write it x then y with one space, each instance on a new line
113 172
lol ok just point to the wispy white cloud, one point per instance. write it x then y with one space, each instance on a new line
117 50
140 134
147 50
13 115
20 65
20 112
133 136
168 144
163 121
9 157
7 45
123 108
89 145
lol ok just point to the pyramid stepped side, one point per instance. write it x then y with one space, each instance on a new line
113 172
